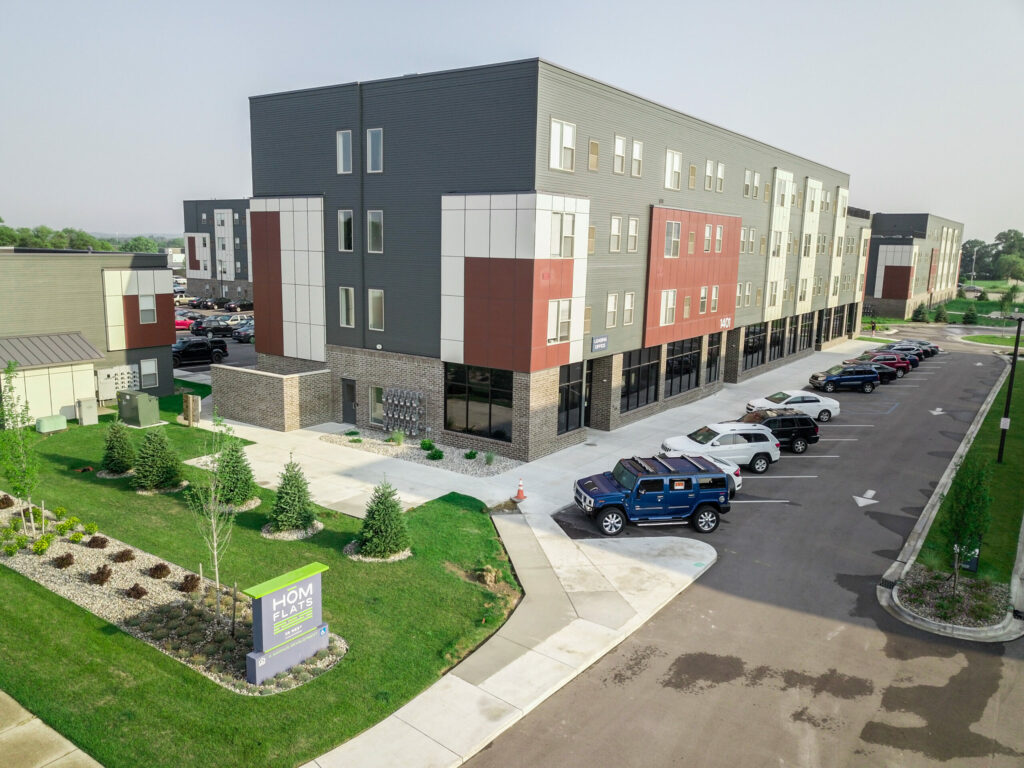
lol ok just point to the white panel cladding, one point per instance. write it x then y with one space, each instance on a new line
224 234
317 313
542 239
129 283
301 293
579 278
778 242
202 249
503 231
302 341
288 302
144 283
111 282
258 204
287 226
891 256
812 197
300 230
478 237
454 237
287 266
116 338
863 244
248 243
162 282
452 318
286 204
576 351
452 351
525 231
114 281
290 347
453 232
318 343
301 272
838 230
453 276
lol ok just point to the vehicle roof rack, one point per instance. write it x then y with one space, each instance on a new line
647 467
664 463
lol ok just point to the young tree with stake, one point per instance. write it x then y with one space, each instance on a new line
966 519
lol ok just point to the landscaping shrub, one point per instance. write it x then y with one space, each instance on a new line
16 524
293 509
355 439
235 484
970 316
42 544
98 542
22 542
427 445
160 571
983 296
6 502
469 455
398 436
157 466
190 583
960 293
920 314
488 458
118 451
384 532
59 513
124 556
90 528
137 592
101 576
435 454
76 537
63 527
940 314
352 433
11 549
64 561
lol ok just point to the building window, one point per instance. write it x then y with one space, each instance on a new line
812 199
718 238
345 231
238 241
346 307
686 308
748 177
776 243
720 181
615 238
777 341
773 293
746 295
639 378
806 328
826 201
147 309
743 239
375 231
632 234
236 217
375 308
375 150
787 291
377 405
764 245
570 397
781 188
222 244
668 307
591 239
672 236
148 370
638 158
739 295
709 175
707 238
559 320
478 401
673 169
768 192
619 160
821 246
595 151
611 317
753 346
691 182
714 298
563 230
714 355
563 146
751 238
757 297
691 242
703 307
682 366
807 245
628 304
835 285
757 185
587 314
344 151
203 215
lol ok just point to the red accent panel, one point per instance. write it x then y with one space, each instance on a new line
161 333
687 273
266 281
896 282
193 260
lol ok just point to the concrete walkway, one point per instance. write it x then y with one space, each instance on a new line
28 742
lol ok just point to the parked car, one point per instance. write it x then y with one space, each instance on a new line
894 360
239 305
182 299
885 373
905 349
197 302
749 445
245 334
655 491
731 469
210 327
234 320
929 348
794 430
857 376
912 360
182 323
219 303
814 405
189 350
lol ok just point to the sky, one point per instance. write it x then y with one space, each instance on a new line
115 112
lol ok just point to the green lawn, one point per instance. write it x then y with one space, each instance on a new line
999 548
1002 341
127 704
873 339
990 285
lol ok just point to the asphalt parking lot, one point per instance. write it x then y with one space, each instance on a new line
239 355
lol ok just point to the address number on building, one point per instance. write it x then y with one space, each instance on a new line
725 322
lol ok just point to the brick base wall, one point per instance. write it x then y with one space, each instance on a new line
272 400
286 365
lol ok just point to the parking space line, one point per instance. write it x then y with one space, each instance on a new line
837 439
778 477
848 425
816 456
760 501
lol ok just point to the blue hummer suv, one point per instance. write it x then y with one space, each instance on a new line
660 490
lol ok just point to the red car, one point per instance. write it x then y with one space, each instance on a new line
890 359
182 323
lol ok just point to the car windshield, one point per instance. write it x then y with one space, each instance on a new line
623 476
835 369
704 435
778 397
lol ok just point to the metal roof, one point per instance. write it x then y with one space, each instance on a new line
46 349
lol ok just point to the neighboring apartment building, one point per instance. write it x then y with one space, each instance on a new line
218 260
915 259
505 254
85 324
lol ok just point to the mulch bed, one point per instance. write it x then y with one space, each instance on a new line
928 593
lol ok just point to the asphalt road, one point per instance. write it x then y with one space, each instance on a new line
780 655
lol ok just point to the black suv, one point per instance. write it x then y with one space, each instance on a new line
851 376
188 350
885 373
210 327
794 430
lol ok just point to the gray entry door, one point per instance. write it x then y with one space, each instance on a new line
348 401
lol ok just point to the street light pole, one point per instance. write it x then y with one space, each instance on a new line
1004 423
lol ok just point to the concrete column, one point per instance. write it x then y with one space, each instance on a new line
604 397
732 354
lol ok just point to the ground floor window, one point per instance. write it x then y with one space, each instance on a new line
639 378
148 371
570 397
478 401
806 330
714 355
682 366
377 405
777 340
851 317
753 346
793 335
823 326
838 320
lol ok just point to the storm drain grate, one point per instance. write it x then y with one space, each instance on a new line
886 584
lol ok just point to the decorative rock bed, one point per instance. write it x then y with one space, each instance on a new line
454 458
296 534
352 551
927 593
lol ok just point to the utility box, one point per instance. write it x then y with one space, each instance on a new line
86 411
47 424
137 409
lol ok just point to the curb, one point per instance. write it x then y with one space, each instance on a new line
1009 628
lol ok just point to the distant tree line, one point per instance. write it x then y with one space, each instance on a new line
998 260
76 239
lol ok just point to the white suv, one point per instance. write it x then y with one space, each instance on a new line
751 445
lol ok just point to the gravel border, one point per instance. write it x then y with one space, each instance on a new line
410 451
352 551
251 504
157 491
105 475
934 587
296 534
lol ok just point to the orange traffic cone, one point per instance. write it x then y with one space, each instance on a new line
520 496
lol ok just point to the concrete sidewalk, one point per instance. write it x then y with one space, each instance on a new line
28 742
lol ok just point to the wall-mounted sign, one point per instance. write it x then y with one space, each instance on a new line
598 343
725 322
287 622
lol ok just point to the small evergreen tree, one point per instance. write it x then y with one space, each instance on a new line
293 508
18 460
940 314
157 466
384 532
971 315
234 475
983 296
119 453
960 293
966 517
920 314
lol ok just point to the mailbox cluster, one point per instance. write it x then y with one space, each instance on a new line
404 409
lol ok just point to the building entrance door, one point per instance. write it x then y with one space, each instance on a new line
588 383
348 401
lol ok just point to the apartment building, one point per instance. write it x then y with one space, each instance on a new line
502 255
914 259
218 260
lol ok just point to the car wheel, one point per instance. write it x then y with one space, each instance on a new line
759 464
705 519
900 373
176 362
611 521
799 445
825 415
209 334
252 339
829 386
868 387
216 356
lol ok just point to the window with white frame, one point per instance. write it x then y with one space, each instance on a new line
686 308
757 297
236 217
220 219
344 148
720 180
668 307
776 243
748 179
345 231
673 169
375 309
739 294
591 239
839 248
595 153
826 200
773 293
764 245
807 245
375 150
691 181
746 295
222 244
563 146
835 285
691 242
820 251
757 185
718 238
703 307
615 235
149 371
785 290
714 298
559 320
636 169
563 232
672 239
707 238
611 318
628 303
204 219
375 231
781 189
238 241
743 239
619 158
768 192
147 309
812 199
632 234
346 307
751 239
709 175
